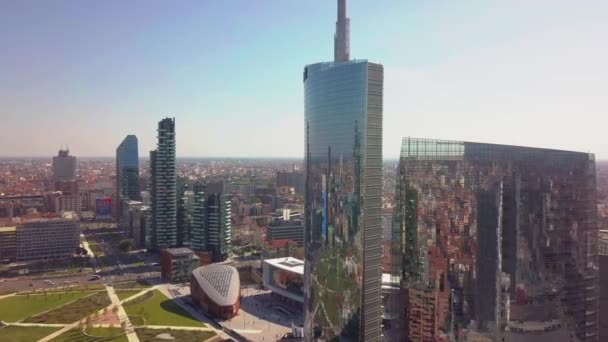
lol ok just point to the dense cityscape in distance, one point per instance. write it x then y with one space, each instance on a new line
453 241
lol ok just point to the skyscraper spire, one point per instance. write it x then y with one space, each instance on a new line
342 36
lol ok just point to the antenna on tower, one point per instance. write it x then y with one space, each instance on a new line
342 36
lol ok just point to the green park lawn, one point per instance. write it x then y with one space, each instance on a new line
16 308
147 335
75 311
158 309
101 334
124 294
71 288
24 334
139 284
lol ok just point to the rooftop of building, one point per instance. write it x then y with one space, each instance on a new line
220 282
390 281
452 149
278 222
179 251
288 264
46 216
6 229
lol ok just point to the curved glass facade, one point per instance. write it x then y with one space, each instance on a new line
343 234
495 243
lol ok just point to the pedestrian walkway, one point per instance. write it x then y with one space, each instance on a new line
131 336
38 325
8 295
122 315
177 328
59 332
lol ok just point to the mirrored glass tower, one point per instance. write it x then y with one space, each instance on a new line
343 222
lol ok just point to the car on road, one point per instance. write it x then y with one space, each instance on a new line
94 277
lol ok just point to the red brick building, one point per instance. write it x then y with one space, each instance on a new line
176 264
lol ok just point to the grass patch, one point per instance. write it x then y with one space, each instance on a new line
75 311
16 308
160 310
148 335
124 294
77 288
139 284
25 334
101 334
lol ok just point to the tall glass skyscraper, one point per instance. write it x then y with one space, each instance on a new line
495 243
343 233
163 188
127 169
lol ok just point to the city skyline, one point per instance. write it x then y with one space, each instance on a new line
505 67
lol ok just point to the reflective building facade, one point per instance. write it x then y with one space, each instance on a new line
127 171
495 243
343 223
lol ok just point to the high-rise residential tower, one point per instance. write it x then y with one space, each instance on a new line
198 239
127 169
495 243
163 188
343 184
219 227
211 221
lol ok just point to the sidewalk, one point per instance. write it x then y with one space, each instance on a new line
38 325
122 315
177 328
8 295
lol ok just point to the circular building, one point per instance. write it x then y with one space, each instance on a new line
217 289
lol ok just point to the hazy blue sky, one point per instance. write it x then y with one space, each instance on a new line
87 73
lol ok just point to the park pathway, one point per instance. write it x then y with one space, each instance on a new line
8 295
178 327
131 336
122 315
59 332
38 325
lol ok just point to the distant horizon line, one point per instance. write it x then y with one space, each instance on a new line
177 157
